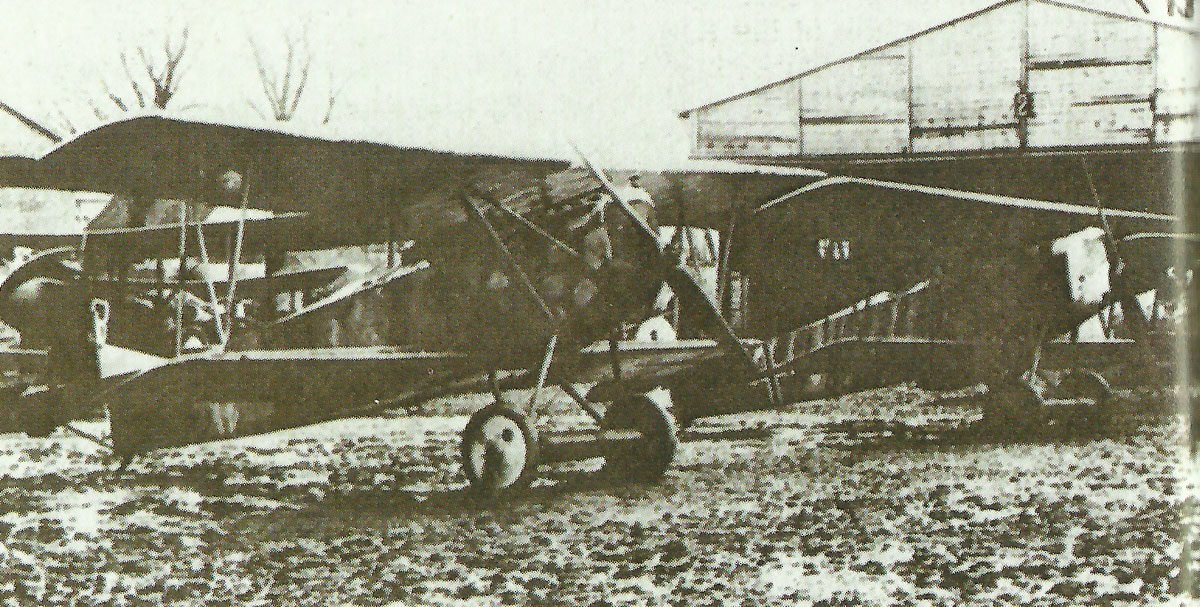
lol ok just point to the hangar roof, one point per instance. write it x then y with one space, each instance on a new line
686 113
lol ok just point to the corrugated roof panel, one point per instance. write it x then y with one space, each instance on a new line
1091 78
867 138
1065 35
1096 105
870 87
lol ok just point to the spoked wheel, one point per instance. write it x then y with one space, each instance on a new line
499 449
1089 387
647 457
1075 400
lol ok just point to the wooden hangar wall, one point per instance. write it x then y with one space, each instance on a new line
1030 85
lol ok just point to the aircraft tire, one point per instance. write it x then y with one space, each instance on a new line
38 413
1011 406
1096 407
499 449
648 458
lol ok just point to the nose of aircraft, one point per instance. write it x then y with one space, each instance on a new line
36 298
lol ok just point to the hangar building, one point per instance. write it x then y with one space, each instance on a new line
1015 99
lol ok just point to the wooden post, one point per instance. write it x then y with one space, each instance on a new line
160 278
774 387
1023 95
391 249
614 334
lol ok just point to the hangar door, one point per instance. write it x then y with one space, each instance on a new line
1091 79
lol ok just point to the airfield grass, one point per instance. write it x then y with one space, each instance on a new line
879 498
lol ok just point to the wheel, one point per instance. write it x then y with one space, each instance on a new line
689 402
647 458
941 378
499 449
1014 405
1089 399
37 414
10 409
1086 385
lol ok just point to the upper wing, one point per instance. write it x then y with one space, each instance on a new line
846 186
354 191
698 194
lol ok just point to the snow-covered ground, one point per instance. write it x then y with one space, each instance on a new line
872 499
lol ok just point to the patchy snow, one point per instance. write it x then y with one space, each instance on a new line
875 499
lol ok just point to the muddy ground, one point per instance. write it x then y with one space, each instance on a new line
880 498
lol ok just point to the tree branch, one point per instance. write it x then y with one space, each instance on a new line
115 98
284 91
133 84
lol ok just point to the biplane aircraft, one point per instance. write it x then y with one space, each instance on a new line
530 274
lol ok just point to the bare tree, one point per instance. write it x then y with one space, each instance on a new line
284 89
99 113
64 123
335 91
160 81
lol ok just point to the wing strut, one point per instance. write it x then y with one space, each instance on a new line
208 283
513 264
179 279
236 260
560 245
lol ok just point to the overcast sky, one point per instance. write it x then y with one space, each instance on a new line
522 76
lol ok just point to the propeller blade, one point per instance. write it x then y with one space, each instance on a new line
683 283
1115 261
624 205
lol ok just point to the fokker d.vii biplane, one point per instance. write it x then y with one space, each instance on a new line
530 275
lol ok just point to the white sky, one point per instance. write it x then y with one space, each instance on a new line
522 76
